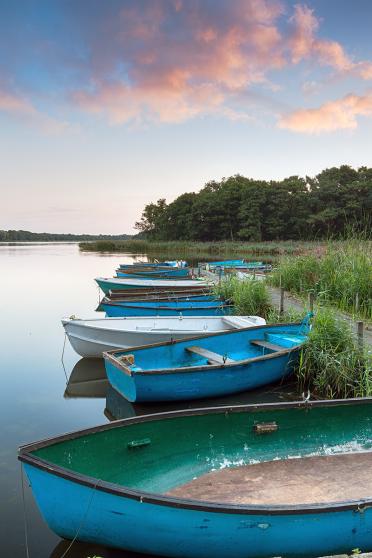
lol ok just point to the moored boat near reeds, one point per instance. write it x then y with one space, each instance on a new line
117 283
211 366
90 338
116 309
253 481
173 291
149 273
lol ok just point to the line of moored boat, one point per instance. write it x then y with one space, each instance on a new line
252 481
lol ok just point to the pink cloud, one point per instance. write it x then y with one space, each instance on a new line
173 76
13 103
23 110
305 45
335 115
171 61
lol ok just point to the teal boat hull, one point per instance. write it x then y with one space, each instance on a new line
207 308
145 520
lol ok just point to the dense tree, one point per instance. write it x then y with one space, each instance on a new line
246 209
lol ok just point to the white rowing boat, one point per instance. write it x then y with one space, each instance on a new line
90 338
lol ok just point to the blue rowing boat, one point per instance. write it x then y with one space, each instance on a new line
164 308
171 263
226 262
121 283
158 274
255 481
210 366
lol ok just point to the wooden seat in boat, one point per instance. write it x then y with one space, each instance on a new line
213 358
306 480
266 345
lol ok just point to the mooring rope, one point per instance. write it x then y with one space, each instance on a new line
64 345
24 513
82 520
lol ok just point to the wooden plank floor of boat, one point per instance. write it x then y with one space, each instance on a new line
289 481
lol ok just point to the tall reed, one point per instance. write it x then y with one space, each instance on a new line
341 275
249 297
331 364
182 249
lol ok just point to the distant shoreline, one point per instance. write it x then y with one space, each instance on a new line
12 236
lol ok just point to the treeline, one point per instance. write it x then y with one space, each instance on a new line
239 208
24 236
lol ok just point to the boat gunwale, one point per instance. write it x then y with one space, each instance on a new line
191 504
110 355
154 306
80 322
125 281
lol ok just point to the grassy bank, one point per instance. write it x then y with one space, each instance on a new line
187 249
339 273
331 364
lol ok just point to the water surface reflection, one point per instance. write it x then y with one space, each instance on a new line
40 397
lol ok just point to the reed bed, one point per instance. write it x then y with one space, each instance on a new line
341 275
331 364
250 297
184 249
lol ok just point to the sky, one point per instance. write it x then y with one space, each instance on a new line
106 106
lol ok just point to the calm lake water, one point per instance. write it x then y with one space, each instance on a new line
41 396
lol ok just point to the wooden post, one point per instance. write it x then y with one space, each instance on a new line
311 301
220 276
199 271
254 274
360 333
356 303
281 306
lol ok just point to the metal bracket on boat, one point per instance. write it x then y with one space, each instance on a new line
265 427
127 360
134 444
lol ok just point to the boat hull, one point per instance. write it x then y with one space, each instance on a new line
138 274
121 522
113 284
202 383
139 515
126 310
92 340
214 365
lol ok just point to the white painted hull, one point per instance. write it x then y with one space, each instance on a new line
90 338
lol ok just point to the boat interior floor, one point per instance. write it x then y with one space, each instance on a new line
305 480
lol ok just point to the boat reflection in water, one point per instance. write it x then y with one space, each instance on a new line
117 407
87 379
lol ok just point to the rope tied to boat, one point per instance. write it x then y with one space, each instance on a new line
85 515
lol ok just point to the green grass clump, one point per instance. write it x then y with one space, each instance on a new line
340 275
250 297
331 364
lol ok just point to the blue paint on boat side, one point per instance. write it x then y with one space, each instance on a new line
170 371
170 263
124 310
228 262
181 272
108 285
215 382
120 521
